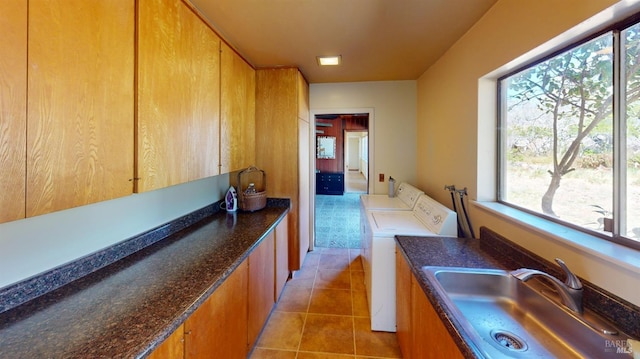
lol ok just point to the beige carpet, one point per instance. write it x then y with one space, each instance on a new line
354 182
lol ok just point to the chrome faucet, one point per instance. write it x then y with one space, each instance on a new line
570 291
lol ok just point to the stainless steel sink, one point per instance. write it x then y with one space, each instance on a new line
506 318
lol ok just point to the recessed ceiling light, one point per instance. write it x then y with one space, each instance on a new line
329 60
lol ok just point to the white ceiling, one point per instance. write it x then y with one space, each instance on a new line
379 40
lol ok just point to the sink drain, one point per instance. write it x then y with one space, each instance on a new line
509 340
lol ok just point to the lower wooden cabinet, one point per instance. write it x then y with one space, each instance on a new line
403 305
172 347
421 333
228 323
217 329
261 286
282 257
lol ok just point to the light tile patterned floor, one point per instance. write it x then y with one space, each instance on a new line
338 221
323 313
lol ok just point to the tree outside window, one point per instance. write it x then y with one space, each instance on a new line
559 146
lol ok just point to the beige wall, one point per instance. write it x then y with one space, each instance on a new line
458 121
394 123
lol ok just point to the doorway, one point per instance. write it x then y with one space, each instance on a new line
341 154
356 164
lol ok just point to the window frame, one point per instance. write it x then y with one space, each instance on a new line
619 131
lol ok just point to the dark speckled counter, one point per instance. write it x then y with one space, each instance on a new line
127 308
449 252
494 251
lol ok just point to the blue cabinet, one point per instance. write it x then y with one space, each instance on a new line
330 183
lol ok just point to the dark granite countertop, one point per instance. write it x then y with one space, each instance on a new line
449 252
494 251
127 308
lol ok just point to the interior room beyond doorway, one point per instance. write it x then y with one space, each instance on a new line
342 171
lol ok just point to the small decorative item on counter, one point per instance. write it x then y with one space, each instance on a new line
251 189
254 196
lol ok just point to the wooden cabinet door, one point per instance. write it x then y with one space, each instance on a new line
80 103
178 96
277 101
218 328
404 328
282 256
303 98
172 347
261 286
430 337
304 201
13 109
238 117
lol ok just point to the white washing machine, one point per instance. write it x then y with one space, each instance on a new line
405 199
428 218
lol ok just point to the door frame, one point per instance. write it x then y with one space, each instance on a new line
312 150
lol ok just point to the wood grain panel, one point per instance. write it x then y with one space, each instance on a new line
336 130
172 347
261 287
304 190
303 98
218 328
178 96
80 103
237 120
281 256
430 337
404 329
277 142
13 109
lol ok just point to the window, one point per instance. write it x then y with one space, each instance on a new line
566 152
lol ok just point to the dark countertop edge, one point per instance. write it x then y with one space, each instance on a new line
144 345
168 330
26 290
496 252
460 337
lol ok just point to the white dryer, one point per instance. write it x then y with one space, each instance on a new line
405 199
428 218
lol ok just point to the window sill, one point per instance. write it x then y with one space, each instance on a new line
611 252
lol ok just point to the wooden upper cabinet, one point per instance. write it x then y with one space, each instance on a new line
303 98
238 116
13 109
80 102
178 122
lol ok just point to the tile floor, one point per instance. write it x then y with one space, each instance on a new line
338 221
323 313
